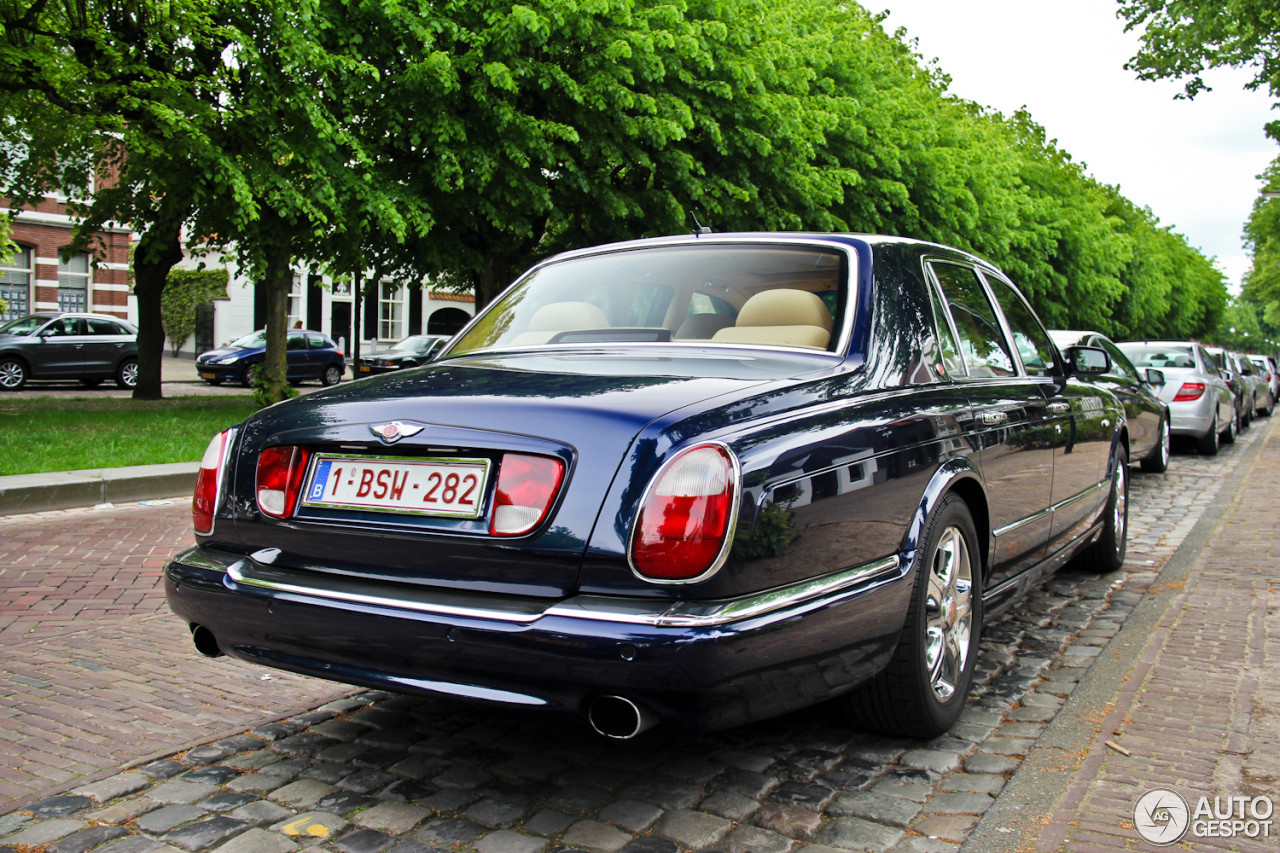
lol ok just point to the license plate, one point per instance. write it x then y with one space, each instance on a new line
208 375
364 368
452 487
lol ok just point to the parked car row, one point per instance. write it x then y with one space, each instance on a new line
701 480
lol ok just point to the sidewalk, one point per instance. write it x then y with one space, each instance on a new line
1185 697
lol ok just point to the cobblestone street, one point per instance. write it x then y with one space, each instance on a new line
98 674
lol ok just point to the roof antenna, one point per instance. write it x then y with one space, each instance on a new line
699 229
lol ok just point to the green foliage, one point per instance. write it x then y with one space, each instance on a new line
1181 39
186 291
466 140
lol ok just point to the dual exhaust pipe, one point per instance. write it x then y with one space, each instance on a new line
615 717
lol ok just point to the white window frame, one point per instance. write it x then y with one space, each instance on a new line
11 268
391 310
67 275
295 301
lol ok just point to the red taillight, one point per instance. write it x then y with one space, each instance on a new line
682 527
526 486
1189 391
205 501
280 473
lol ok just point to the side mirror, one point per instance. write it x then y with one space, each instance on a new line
1155 377
1087 361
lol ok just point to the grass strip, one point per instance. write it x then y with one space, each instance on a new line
39 436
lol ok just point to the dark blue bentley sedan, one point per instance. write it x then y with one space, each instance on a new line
699 480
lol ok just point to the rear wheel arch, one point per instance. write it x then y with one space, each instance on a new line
962 477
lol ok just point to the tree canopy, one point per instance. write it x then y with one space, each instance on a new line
465 140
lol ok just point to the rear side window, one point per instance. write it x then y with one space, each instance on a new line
1030 338
103 327
316 341
982 343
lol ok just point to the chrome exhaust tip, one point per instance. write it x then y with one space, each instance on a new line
206 644
619 718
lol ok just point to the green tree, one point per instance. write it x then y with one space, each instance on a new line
1181 39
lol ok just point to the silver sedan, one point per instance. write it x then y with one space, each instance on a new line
1201 404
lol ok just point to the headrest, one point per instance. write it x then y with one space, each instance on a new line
567 316
785 308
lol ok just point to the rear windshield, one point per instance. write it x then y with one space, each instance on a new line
771 296
1160 355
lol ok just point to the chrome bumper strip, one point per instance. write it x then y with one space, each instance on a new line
524 610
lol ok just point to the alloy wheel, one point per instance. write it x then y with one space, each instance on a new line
948 613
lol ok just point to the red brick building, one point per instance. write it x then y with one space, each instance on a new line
36 278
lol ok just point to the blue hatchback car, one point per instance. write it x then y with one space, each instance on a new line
311 355
700 480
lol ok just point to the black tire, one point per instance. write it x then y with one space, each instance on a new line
249 374
1107 553
1157 461
90 383
127 374
922 691
13 374
332 375
1233 428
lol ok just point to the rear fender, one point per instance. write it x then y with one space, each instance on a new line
958 475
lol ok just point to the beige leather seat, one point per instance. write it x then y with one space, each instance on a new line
793 318
550 320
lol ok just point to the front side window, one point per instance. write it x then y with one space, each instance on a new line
723 294
1029 337
982 343
15 284
73 283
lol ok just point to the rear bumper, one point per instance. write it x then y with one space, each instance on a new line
696 665
1192 418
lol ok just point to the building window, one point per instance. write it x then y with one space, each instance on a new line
390 311
73 283
295 302
15 284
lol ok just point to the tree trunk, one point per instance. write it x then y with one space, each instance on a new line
279 280
159 250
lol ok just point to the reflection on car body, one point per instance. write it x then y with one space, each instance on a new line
701 480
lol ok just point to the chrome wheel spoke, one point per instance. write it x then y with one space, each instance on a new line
948 613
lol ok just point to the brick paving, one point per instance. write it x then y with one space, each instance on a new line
96 672
1200 714
375 772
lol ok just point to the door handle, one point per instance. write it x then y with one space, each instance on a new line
1059 408
993 418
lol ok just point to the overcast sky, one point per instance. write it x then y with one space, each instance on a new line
1192 162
